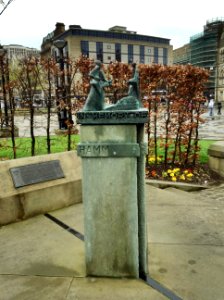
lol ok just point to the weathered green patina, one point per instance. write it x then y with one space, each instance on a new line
98 81
108 149
132 100
139 116
113 156
95 100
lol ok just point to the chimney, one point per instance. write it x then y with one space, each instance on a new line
59 28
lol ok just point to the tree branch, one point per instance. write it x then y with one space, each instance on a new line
5 5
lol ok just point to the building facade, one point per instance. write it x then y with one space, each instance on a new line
206 50
13 53
220 70
116 44
182 55
17 51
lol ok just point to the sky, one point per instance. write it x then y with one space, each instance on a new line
26 22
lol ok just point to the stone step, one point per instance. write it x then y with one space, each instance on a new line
163 184
170 196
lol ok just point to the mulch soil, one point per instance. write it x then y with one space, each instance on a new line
202 174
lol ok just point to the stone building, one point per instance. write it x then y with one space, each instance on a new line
206 50
115 44
182 55
15 51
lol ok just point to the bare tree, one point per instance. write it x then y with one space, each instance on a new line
28 77
5 5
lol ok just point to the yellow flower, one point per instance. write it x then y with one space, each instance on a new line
190 175
152 159
186 171
174 178
169 171
182 177
172 174
176 170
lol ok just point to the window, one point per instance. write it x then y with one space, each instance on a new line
118 52
165 60
85 48
142 54
99 51
118 35
156 55
130 54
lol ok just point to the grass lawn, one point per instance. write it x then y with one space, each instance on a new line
59 144
23 146
204 144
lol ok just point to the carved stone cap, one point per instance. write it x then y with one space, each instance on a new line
102 117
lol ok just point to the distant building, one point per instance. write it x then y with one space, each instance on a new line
17 51
14 53
115 44
182 55
206 50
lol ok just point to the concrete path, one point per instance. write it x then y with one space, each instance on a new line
40 124
213 128
41 260
210 129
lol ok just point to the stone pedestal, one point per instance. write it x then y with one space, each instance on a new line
216 157
113 153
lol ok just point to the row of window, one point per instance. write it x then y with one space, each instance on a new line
119 35
131 55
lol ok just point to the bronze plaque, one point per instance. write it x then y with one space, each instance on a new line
36 173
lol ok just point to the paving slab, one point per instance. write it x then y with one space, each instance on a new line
33 287
186 225
111 289
157 196
41 260
73 216
192 272
186 242
38 246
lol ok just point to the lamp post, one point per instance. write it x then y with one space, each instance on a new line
63 85
2 68
60 44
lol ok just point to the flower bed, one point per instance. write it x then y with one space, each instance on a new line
200 174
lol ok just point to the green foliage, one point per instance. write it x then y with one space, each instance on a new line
203 152
23 146
176 120
59 144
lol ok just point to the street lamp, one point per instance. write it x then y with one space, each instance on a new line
60 44
64 86
2 67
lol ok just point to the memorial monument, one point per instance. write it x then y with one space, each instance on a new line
113 164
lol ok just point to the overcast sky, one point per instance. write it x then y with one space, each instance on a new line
26 22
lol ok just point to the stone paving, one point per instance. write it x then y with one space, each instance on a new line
40 124
186 245
211 129
39 260
213 193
